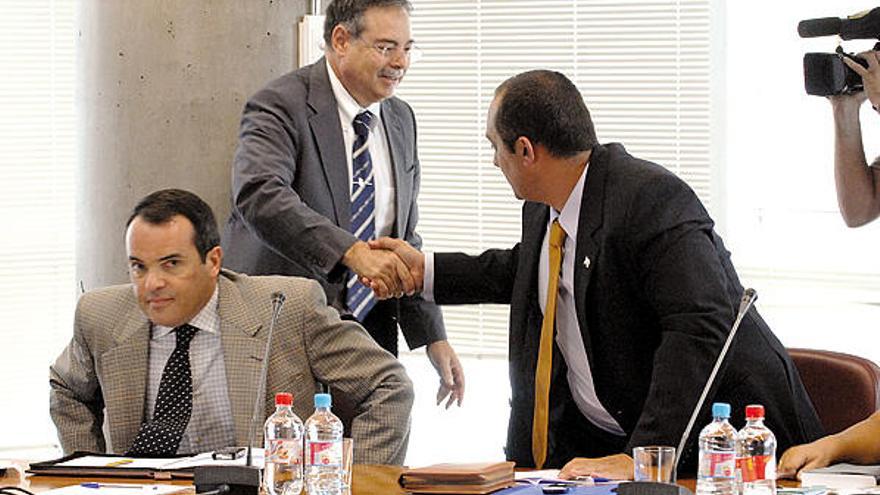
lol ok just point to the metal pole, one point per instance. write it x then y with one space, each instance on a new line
316 7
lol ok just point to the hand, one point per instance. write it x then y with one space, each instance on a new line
810 456
446 363
384 270
870 75
613 467
412 258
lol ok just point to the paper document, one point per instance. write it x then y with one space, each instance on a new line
118 489
206 460
169 463
546 476
97 461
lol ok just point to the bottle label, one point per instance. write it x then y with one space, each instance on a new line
756 468
716 464
284 451
328 454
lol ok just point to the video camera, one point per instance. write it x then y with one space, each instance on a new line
826 74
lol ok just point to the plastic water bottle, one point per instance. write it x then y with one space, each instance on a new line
283 473
756 455
324 470
717 462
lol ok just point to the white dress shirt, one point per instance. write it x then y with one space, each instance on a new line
380 157
568 332
210 425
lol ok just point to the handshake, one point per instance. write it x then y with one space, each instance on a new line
391 267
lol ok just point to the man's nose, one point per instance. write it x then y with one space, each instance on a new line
154 280
399 58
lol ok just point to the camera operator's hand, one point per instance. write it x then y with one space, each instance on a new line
858 185
870 76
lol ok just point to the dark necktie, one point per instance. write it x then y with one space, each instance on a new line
161 435
359 298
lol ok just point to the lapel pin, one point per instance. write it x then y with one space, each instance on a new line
586 262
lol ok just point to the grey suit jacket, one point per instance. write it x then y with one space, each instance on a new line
291 208
103 370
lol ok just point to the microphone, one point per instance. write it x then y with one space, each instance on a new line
242 480
748 298
814 28
864 25
277 301
653 488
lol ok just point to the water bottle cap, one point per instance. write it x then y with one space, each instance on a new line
323 400
283 399
720 410
754 411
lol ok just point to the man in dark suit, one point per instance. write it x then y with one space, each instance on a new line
640 288
327 160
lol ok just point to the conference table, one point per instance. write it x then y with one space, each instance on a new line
366 480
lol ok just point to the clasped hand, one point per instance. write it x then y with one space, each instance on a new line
391 267
384 266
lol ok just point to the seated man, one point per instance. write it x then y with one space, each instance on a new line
174 359
621 296
858 444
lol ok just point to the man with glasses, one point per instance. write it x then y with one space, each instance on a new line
326 161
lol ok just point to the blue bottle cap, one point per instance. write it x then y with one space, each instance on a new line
324 400
721 410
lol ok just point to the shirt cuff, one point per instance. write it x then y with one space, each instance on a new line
428 282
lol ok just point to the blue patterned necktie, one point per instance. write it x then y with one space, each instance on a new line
161 435
359 298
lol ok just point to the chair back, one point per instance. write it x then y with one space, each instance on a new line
845 389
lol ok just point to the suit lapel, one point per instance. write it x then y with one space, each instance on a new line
590 220
125 385
396 147
242 355
535 217
327 132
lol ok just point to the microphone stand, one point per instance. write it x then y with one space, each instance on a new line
242 480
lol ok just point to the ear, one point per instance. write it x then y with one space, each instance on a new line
340 39
214 259
524 148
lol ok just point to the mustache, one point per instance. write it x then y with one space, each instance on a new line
392 73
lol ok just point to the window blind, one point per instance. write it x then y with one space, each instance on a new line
643 67
37 136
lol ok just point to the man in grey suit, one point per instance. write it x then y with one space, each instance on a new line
128 359
327 160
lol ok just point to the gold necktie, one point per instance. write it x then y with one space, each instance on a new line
545 351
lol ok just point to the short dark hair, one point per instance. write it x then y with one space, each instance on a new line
546 107
158 208
350 13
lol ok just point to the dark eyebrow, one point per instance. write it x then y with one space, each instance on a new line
393 42
171 257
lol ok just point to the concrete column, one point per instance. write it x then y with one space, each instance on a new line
160 89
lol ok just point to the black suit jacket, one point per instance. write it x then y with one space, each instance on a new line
654 302
291 207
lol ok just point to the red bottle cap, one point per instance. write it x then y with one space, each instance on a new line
283 399
754 411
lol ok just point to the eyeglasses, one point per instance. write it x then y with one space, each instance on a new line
389 50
